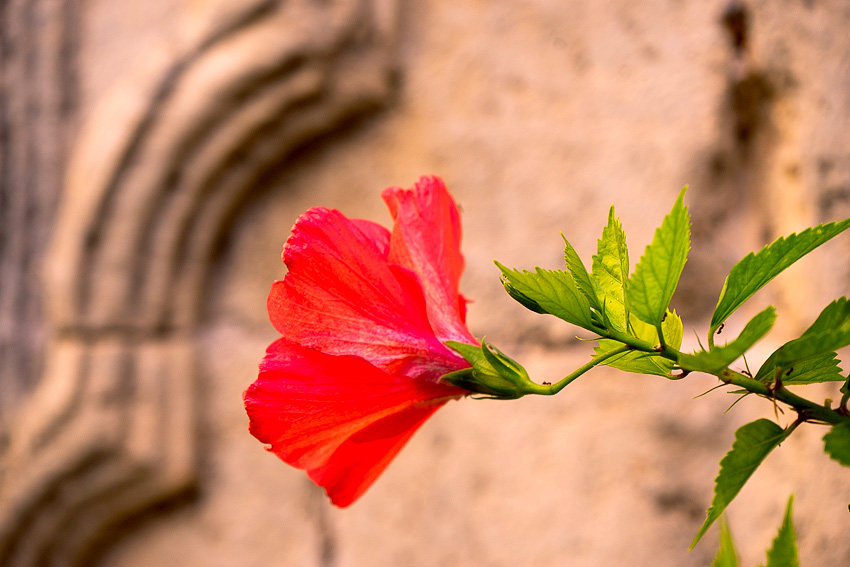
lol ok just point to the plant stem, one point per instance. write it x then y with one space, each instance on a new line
643 346
661 340
561 384
807 409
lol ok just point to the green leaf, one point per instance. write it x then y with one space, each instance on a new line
833 316
644 362
726 555
520 298
671 326
656 276
718 358
611 271
822 368
783 552
753 443
829 332
553 291
633 361
583 281
837 443
755 270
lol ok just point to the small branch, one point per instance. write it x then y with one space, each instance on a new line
561 384
637 344
661 340
842 405
806 409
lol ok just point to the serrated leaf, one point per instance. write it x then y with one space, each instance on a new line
644 362
719 357
610 271
837 443
582 278
833 316
755 270
726 555
821 368
523 300
633 361
829 332
783 552
554 291
813 345
672 328
650 289
753 443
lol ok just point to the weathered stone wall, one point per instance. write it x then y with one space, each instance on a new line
184 138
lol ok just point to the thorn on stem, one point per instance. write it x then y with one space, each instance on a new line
772 389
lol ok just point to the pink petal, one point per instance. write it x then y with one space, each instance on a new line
426 240
339 418
342 297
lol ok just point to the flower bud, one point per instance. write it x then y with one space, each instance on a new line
493 373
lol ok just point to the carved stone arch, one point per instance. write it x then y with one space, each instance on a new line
110 430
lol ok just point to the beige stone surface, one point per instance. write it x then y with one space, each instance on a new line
539 115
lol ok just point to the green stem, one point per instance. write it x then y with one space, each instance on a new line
845 398
807 409
553 389
637 344
711 332
661 340
790 429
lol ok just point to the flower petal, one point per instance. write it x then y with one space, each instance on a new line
426 240
363 457
342 297
338 417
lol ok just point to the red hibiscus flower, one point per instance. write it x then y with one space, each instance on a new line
364 315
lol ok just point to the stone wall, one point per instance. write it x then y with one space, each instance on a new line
153 156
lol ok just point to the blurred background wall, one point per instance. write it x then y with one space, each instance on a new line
153 156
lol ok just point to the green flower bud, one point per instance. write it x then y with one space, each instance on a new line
493 373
